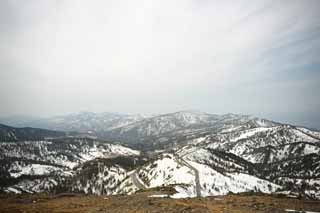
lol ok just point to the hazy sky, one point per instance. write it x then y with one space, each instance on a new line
153 56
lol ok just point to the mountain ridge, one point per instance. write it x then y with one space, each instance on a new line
215 155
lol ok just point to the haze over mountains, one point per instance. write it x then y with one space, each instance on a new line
82 122
215 154
91 121
252 68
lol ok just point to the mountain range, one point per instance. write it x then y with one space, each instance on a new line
198 154
80 122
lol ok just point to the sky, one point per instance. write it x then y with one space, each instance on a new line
156 56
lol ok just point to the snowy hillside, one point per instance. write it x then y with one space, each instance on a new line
282 154
104 176
171 170
198 154
162 124
25 165
67 152
253 144
169 128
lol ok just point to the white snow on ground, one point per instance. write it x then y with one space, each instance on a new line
106 179
66 163
256 158
195 153
13 190
308 149
32 186
127 186
198 140
69 156
314 133
158 125
158 196
121 150
183 192
281 152
219 184
32 169
231 129
239 149
60 160
303 137
106 152
203 156
168 171
249 133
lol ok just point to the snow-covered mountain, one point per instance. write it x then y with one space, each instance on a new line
104 175
196 153
164 124
217 174
80 122
34 166
170 130
264 144
283 154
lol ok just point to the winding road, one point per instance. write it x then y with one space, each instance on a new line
196 173
136 181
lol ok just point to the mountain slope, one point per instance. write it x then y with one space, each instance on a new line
164 130
162 124
83 121
79 122
259 144
103 176
196 153
300 175
213 180
8 133
29 166
282 154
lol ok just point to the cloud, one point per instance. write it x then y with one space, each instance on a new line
159 56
